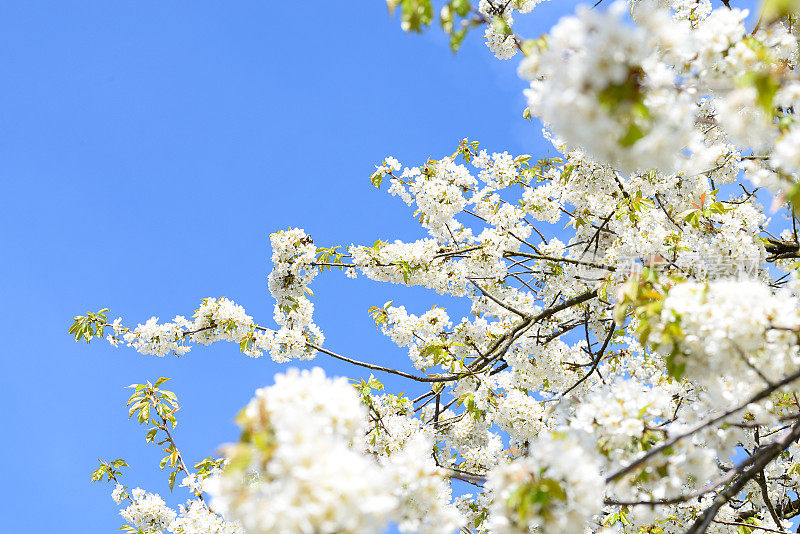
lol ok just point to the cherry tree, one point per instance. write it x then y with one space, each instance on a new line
636 373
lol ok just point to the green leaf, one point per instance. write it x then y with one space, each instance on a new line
457 38
144 414
676 370
98 473
135 407
461 7
633 134
376 178
567 172
416 14
775 9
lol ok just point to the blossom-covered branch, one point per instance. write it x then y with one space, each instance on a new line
630 355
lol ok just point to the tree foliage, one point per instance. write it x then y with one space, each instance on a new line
634 371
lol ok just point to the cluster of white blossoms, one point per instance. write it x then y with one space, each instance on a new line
619 419
499 37
148 513
292 253
410 264
422 489
632 95
730 335
439 191
690 10
555 488
300 471
417 333
301 466
217 320
629 417
597 85
519 414
196 518
403 444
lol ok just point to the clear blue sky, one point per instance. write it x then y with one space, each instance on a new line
147 150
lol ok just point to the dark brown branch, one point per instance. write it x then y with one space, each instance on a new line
769 453
672 441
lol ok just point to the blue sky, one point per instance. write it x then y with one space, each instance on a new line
148 149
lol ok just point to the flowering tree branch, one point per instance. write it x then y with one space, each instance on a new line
608 375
